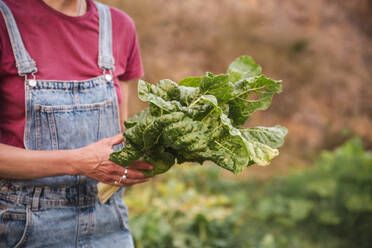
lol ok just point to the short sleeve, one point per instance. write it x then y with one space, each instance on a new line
134 68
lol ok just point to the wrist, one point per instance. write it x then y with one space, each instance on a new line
73 159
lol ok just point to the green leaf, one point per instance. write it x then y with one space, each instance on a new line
299 209
187 135
271 136
150 93
188 95
131 122
359 203
152 131
231 150
260 153
218 86
251 95
126 156
190 82
161 160
328 217
171 88
243 67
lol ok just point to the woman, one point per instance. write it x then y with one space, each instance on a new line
60 65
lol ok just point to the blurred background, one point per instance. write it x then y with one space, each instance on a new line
318 192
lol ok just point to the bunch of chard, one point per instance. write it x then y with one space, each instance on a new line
200 119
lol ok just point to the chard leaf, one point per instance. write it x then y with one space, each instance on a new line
243 67
133 135
151 133
171 88
126 155
132 121
190 82
271 136
187 135
142 139
260 153
151 93
188 95
218 86
161 160
237 144
251 95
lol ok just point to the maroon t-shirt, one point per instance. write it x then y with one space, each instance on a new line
64 48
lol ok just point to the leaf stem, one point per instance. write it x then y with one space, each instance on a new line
219 125
254 130
197 100
246 91
210 112
227 149
248 100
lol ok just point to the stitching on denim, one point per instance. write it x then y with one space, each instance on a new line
53 130
27 130
37 122
77 107
100 122
27 228
83 85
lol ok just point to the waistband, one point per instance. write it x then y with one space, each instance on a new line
39 197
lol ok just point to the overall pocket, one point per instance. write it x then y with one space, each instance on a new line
74 126
14 226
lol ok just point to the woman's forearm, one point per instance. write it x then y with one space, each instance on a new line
91 160
18 163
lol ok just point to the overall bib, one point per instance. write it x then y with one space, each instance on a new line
64 211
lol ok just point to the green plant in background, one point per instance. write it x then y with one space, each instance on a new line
175 213
328 205
333 199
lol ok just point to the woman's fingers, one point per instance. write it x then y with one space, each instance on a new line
129 182
117 170
111 173
110 168
132 177
140 165
132 174
135 174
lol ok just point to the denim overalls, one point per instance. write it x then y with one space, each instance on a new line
64 211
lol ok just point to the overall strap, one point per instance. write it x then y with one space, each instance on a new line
105 58
24 63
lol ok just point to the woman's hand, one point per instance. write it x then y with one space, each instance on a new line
93 161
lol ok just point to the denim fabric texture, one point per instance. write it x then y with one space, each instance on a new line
64 211
24 62
61 217
105 60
